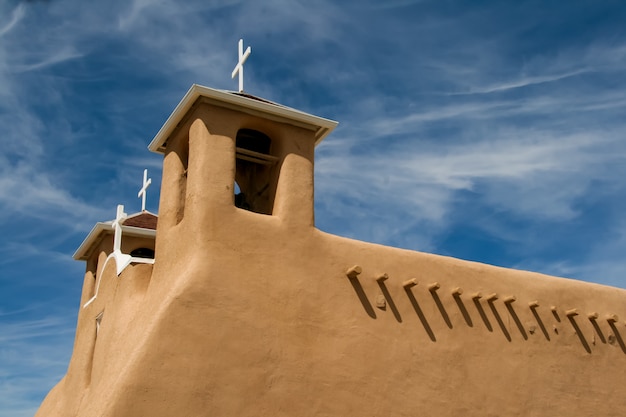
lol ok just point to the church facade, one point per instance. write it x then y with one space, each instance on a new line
234 304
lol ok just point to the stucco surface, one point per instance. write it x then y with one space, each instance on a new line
246 314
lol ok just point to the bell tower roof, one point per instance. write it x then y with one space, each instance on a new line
142 224
245 103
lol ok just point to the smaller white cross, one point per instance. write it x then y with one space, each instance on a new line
117 226
142 193
121 260
239 67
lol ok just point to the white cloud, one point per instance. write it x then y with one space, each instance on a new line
524 81
34 356
534 173
16 15
28 192
17 252
35 328
65 54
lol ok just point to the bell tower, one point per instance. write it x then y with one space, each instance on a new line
226 151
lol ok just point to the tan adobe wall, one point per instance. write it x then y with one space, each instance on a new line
286 328
247 314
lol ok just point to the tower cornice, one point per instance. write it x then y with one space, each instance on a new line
242 102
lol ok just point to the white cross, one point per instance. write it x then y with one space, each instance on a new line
239 67
117 226
142 193
122 260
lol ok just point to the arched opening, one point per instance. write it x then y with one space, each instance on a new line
254 164
254 141
143 253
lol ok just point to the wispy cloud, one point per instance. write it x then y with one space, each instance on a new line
538 172
24 330
392 4
57 57
522 82
32 194
34 356
16 15
15 252
531 155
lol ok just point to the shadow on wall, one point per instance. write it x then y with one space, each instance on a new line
387 297
420 313
434 289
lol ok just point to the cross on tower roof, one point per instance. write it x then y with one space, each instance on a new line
142 192
239 67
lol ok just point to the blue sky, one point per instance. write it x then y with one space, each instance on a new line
489 131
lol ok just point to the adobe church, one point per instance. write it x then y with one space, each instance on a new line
234 304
